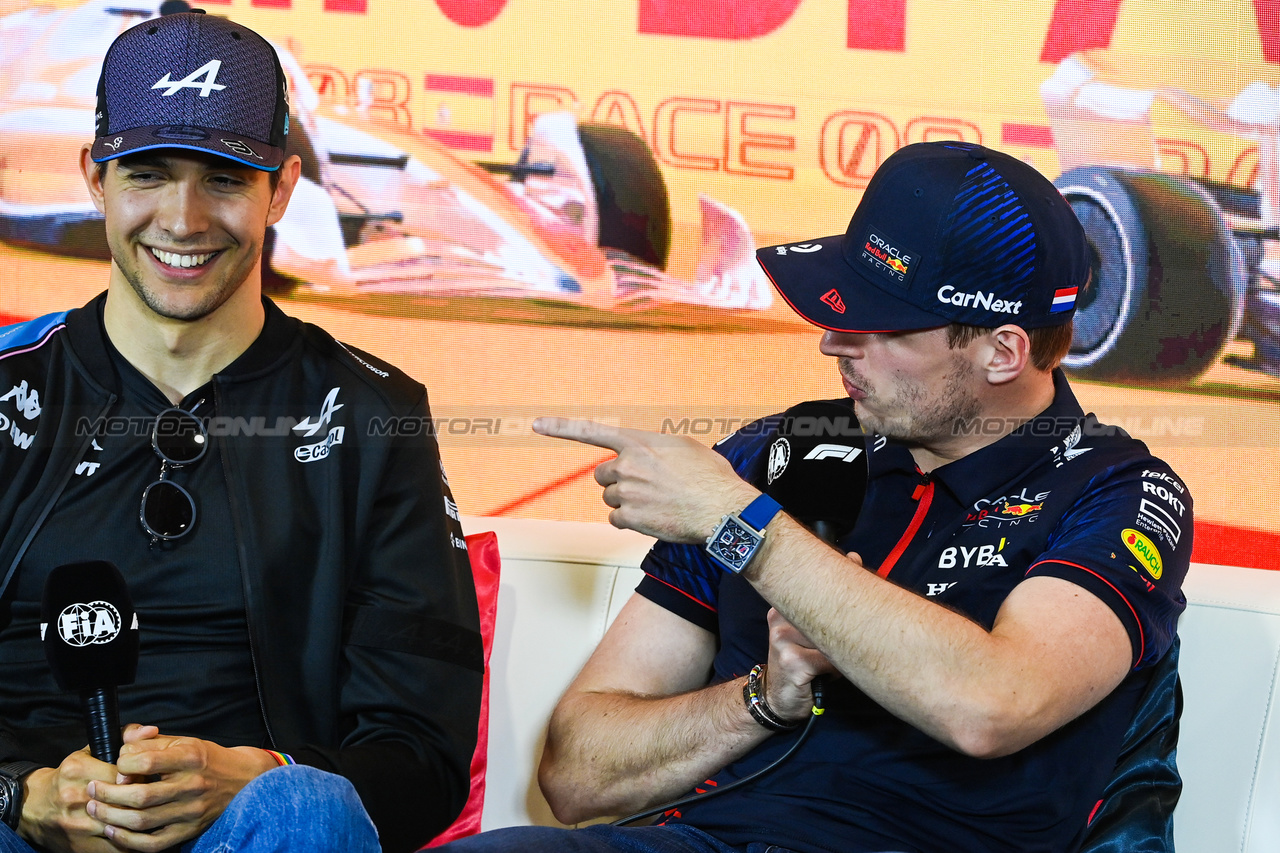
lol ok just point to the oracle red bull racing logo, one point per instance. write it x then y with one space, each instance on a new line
882 256
1007 510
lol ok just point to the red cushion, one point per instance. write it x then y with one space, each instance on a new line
485 567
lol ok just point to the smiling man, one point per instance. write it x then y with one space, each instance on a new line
310 665
997 630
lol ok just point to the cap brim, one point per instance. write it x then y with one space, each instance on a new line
232 146
824 289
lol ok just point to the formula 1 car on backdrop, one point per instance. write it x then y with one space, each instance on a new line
1183 265
578 229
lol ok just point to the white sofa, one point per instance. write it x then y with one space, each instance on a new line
563 583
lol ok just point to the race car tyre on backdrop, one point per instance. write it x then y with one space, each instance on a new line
1168 284
631 194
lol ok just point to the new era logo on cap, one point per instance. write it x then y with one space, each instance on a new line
194 81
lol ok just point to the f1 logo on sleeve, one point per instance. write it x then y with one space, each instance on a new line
843 452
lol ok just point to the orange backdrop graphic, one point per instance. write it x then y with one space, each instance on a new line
510 284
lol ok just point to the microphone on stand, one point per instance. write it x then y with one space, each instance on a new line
817 466
90 634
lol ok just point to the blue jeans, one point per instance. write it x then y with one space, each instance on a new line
285 809
601 838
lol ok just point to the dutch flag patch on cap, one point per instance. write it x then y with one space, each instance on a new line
1063 300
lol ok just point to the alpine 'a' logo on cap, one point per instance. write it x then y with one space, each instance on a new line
833 300
203 78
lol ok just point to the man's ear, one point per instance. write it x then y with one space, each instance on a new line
92 178
1007 353
290 171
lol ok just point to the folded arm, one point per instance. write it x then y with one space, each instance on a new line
641 725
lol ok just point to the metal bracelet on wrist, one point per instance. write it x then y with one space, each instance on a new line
753 695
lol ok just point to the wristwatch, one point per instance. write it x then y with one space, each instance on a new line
11 791
738 536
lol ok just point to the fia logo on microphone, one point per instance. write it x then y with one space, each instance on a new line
87 624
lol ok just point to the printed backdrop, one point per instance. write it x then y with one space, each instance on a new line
548 207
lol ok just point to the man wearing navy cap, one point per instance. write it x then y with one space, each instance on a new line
310 661
986 632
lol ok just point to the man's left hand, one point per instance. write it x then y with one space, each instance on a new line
667 486
193 781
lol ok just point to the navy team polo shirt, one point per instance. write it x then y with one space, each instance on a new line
1063 496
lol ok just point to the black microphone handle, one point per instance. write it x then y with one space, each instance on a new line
828 531
102 718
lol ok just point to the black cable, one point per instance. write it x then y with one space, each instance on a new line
817 711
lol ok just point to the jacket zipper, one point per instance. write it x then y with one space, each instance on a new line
244 578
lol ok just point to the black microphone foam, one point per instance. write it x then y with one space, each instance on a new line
817 466
90 634
89 628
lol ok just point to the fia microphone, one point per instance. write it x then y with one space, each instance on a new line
90 634
817 466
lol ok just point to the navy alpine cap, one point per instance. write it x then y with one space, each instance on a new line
193 81
945 232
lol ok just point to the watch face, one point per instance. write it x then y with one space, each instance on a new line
4 797
733 544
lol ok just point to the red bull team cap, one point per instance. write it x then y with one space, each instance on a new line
946 232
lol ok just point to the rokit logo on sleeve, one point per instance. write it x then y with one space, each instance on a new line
1162 517
312 426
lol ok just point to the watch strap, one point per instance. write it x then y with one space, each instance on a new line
11 774
760 512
